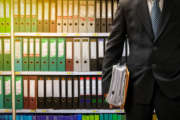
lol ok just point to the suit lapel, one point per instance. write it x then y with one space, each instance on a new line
165 16
144 15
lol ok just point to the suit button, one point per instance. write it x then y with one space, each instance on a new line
154 66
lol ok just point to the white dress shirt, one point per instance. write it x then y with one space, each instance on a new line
150 4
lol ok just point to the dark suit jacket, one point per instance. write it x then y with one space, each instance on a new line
151 59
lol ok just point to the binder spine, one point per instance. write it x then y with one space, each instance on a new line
41 93
87 92
56 93
63 92
69 92
26 92
93 92
82 93
32 92
49 92
75 92
1 54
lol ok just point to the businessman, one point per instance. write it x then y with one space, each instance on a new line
153 31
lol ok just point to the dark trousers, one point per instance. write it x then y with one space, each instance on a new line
166 108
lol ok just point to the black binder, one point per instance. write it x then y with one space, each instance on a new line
75 91
49 92
93 54
63 92
69 92
56 93
98 17
41 93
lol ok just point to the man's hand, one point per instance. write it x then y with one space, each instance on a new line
110 105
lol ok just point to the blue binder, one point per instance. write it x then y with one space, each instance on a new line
79 116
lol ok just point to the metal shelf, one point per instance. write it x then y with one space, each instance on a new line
5 35
65 111
30 34
57 73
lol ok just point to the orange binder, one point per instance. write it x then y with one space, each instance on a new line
32 92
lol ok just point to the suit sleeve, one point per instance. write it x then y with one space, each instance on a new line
114 49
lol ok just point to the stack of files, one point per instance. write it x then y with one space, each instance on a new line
54 54
5 54
67 92
62 16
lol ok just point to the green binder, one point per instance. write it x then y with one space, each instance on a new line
91 117
28 16
22 16
16 16
61 52
8 92
2 16
1 54
37 54
25 54
101 117
52 54
44 54
84 117
34 16
7 54
123 117
8 16
115 117
18 54
19 92
106 116
111 117
1 92
119 117
31 54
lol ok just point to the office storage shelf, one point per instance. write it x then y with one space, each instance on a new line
30 34
5 35
5 72
64 111
58 73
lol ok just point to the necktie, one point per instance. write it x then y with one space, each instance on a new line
155 17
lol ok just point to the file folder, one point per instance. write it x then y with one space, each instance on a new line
109 16
114 117
93 92
7 54
103 16
82 93
34 16
31 54
19 92
26 92
25 54
83 16
52 54
77 54
1 92
53 25
100 95
65 16
32 92
69 54
56 93
1 54
91 16
70 16
40 16
69 92
49 92
87 92
93 54
37 54
8 16
8 92
2 16
28 16
75 92
101 45
85 55
76 16
41 93
98 17
22 16
99 117
46 16
44 54
16 16
63 92
59 16
18 54
91 117
61 53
